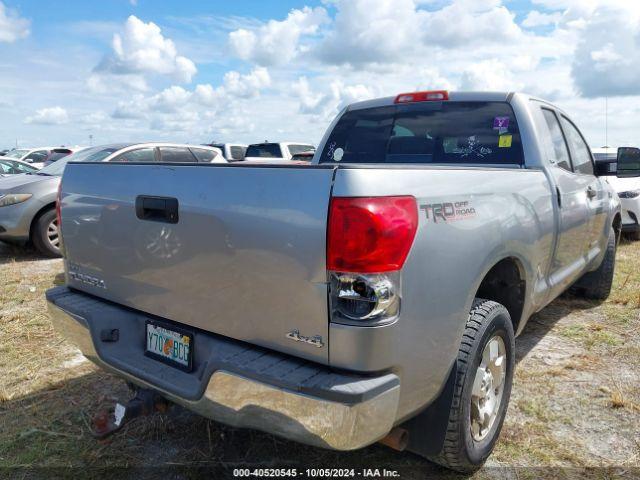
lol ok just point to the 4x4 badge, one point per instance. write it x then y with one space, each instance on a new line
316 340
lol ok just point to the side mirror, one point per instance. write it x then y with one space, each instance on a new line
628 162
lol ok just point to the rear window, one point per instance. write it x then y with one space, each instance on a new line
203 155
238 153
427 132
176 155
57 156
264 150
295 149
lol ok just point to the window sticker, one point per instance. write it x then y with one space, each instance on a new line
505 141
337 154
473 148
500 123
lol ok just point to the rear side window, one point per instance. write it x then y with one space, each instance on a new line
580 154
427 132
142 155
39 156
203 155
560 152
237 153
176 155
264 150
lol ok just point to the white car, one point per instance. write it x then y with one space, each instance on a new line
39 157
628 190
276 152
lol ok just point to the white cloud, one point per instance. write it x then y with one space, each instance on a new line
608 53
49 116
12 26
141 48
489 75
276 42
537 19
176 104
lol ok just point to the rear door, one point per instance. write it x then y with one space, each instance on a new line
573 232
597 199
244 257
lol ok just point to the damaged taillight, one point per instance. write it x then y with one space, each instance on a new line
368 240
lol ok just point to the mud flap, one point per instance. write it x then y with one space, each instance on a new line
427 430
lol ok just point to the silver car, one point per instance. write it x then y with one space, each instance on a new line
27 202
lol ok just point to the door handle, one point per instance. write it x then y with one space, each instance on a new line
157 209
591 192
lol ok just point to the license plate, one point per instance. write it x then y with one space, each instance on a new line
169 345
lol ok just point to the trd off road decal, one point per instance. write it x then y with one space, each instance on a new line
448 211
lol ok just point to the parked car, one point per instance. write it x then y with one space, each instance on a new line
27 202
275 152
4 151
432 226
233 152
38 157
14 167
628 190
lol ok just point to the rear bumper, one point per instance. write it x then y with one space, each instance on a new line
234 382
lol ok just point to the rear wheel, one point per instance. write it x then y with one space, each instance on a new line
597 284
486 361
46 234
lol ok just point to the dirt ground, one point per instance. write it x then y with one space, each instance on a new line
574 411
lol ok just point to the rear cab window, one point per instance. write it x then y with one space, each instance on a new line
446 132
264 150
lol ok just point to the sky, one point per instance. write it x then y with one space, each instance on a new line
248 71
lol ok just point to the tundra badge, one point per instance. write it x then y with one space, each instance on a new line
316 340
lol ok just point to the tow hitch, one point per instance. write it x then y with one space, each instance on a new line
110 420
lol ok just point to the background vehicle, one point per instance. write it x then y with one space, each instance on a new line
233 152
377 290
38 156
276 151
14 167
628 189
27 202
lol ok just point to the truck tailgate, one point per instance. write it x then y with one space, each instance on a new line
244 257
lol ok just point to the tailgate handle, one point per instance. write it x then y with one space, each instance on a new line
157 209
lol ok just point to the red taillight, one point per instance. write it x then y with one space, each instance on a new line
370 234
58 211
428 96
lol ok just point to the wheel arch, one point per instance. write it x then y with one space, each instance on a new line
45 208
505 282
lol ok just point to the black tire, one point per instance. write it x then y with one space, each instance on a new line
596 285
461 452
634 235
40 234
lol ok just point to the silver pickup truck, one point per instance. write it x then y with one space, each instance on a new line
372 295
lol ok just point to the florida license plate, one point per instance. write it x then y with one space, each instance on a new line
170 346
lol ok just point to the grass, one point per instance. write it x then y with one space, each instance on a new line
575 401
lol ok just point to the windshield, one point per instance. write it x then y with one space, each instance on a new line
264 150
95 154
427 132
16 153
